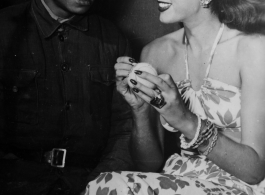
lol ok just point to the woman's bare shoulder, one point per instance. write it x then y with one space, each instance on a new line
251 58
251 50
163 47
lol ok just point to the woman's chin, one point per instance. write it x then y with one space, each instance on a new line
166 20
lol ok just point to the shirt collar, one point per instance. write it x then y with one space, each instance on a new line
61 20
48 22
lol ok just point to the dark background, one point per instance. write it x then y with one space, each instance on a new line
139 22
137 19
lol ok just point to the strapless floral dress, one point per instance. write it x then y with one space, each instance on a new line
188 173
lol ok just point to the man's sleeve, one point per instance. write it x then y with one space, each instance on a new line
116 156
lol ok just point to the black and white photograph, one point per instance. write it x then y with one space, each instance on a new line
132 97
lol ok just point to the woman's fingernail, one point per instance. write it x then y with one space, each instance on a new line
135 90
138 72
133 82
132 60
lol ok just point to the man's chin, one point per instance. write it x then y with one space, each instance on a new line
84 2
80 11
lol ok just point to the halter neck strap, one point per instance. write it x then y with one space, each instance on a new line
216 41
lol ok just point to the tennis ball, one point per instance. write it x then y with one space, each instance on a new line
142 67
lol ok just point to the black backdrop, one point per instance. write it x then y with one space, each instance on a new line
139 21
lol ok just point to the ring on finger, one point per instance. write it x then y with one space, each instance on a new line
158 101
157 91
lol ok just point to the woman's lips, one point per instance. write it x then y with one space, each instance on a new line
163 6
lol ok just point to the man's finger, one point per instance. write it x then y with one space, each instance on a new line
123 66
126 59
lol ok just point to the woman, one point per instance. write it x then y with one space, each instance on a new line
210 88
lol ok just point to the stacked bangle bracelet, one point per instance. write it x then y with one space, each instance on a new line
201 135
205 134
211 145
186 145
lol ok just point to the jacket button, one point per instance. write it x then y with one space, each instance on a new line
15 89
61 37
67 105
64 67
61 29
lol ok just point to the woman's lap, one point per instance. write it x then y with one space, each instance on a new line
185 174
123 183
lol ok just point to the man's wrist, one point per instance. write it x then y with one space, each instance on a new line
145 108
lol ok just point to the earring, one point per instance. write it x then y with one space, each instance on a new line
205 3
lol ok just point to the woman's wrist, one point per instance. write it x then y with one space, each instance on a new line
205 138
191 125
207 146
186 124
203 147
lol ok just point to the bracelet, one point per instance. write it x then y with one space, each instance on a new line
205 134
203 140
169 128
185 144
212 144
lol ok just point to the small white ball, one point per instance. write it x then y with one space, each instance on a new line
142 67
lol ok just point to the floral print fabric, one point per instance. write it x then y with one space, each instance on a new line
182 175
216 101
187 173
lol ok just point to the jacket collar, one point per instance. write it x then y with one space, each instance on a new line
48 25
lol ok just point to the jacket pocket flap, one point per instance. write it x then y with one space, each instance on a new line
19 78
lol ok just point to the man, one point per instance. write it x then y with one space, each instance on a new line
62 121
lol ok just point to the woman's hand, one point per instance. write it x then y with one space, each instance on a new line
174 111
123 66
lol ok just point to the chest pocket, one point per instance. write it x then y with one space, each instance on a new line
101 90
19 96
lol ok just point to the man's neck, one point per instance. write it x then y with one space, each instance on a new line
48 5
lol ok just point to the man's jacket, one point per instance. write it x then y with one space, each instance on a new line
57 87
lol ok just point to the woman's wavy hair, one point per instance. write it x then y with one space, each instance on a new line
247 16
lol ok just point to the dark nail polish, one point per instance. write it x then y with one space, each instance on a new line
133 82
138 72
132 60
135 90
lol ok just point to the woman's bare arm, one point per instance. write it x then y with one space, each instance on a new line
246 160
